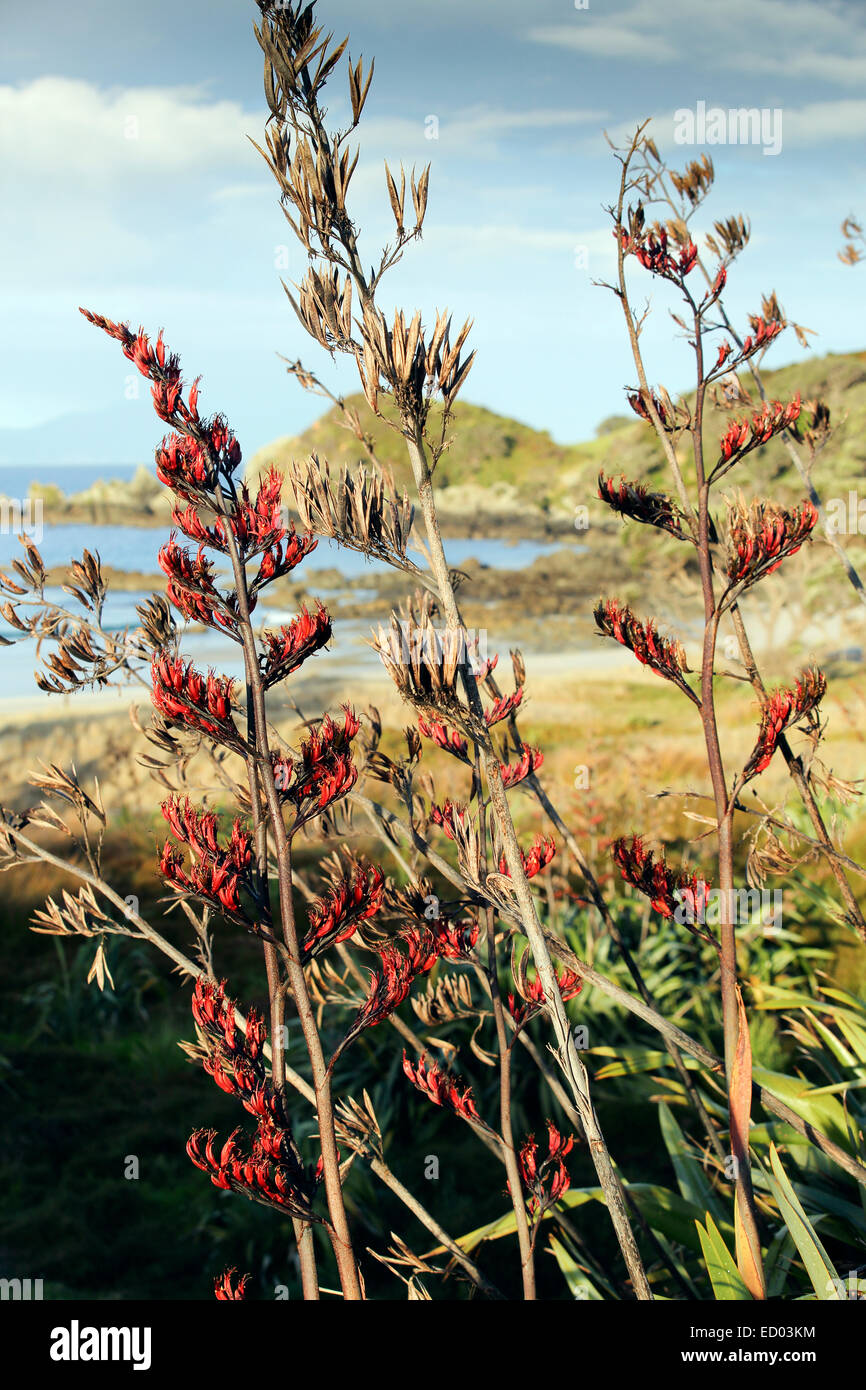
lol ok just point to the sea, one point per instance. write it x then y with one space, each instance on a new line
135 549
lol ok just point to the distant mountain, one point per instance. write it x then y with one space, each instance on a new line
498 465
123 435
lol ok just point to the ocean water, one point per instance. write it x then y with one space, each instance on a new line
135 549
18 663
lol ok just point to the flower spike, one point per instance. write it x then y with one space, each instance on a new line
662 655
782 709
442 1088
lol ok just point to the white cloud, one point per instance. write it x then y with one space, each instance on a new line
474 131
483 120
70 129
607 39
814 39
821 122
836 69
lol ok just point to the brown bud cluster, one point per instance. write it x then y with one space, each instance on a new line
634 500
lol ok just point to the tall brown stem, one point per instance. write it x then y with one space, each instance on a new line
341 1237
724 817
512 1167
567 1054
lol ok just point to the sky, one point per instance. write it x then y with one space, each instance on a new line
128 185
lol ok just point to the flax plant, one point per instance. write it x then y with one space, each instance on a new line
344 946
732 557
313 168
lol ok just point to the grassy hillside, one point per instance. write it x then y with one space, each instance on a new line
499 465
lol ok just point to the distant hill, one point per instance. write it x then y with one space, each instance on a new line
498 466
121 436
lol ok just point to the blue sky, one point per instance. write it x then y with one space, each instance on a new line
128 186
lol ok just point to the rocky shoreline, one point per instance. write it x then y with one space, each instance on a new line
537 604
465 511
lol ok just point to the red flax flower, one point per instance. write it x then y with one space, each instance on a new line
449 816
640 407
784 708
390 984
762 334
449 739
514 773
256 526
182 464
653 254
548 1180
259 525
289 648
539 856
184 696
220 872
742 436
481 669
455 940
211 448
284 773
237 1077
215 1015
337 917
221 440
532 991
227 1287
324 771
662 886
662 655
281 558
652 508
273 1172
442 1088
287 1188
715 289
191 587
234 1057
505 705
160 367
762 535
200 830
152 360
214 879
217 1166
